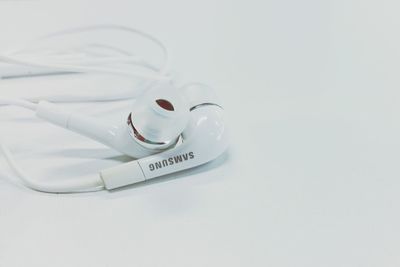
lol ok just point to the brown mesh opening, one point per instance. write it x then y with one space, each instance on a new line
165 104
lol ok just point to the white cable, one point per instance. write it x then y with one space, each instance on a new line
74 68
18 102
81 66
87 185
165 63
11 56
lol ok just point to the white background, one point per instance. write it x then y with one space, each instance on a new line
311 89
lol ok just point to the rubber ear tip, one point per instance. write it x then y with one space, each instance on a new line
161 115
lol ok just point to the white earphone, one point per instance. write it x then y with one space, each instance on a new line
169 130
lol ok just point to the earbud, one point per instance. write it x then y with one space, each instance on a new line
167 130
155 123
204 139
159 117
